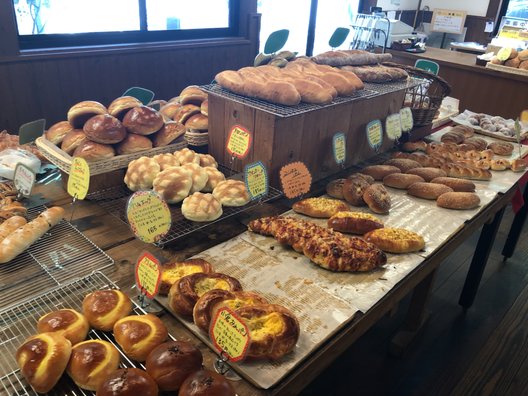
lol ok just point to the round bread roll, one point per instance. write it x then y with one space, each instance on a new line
83 111
192 94
335 188
173 271
231 193
523 55
42 359
377 198
353 190
403 164
170 132
91 362
204 108
427 173
207 160
428 190
133 143
367 178
185 112
173 184
55 134
120 106
184 294
72 140
166 160
203 311
67 322
501 148
138 335
378 172
354 222
499 164
458 200
456 184
198 175
401 180
170 363
141 173
186 156
170 109
143 120
197 123
201 207
206 383
128 382
395 240
102 308
92 151
214 176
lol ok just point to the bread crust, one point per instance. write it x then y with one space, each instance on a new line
378 172
377 198
428 190
455 183
427 173
458 200
401 181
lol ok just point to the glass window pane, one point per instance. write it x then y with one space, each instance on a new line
178 14
76 16
518 9
281 14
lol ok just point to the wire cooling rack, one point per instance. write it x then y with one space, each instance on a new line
19 321
62 254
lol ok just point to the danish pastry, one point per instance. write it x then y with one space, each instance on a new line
319 207
173 271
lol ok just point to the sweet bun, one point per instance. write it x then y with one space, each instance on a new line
206 383
170 132
377 198
173 271
204 309
500 164
353 190
378 172
72 140
456 184
319 207
401 180
166 160
141 173
170 109
128 382
198 176
335 188
42 359
427 173
214 176
354 222
367 178
501 148
120 106
403 164
138 335
173 184
170 363
201 207
192 94
428 190
133 144
185 112
523 55
204 108
231 193
92 151
197 123
67 322
458 200
102 308
91 362
186 156
184 294
207 160
83 111
143 120
55 134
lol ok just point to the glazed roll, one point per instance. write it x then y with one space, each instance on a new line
103 308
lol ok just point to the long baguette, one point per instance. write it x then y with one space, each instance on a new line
10 225
23 237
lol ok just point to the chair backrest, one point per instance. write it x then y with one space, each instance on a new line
427 65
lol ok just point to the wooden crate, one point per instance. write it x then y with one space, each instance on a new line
305 137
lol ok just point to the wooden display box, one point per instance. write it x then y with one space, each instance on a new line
306 137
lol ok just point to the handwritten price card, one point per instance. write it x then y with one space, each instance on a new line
148 274
295 179
79 178
339 147
24 179
406 116
230 334
256 179
374 134
239 142
393 126
148 215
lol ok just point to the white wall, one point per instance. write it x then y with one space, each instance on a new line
388 5
472 7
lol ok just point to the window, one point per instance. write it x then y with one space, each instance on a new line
57 23
332 14
517 9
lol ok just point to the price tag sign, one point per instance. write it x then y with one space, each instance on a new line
27 133
393 126
256 179
374 134
229 334
24 179
79 178
145 96
339 147
148 215
239 142
295 179
406 116
148 274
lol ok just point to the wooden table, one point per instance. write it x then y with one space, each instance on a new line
116 240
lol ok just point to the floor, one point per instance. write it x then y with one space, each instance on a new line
483 351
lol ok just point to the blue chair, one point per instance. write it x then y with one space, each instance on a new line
427 65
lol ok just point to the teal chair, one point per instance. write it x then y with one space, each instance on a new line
427 65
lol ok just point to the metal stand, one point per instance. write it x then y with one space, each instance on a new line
516 228
366 30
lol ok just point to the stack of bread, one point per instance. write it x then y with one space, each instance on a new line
8 141
510 57
189 177
9 206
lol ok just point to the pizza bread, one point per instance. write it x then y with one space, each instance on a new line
319 207
395 240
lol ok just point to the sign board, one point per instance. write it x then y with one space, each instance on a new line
448 21
393 127
295 179
24 179
339 147
239 142
79 178
28 132
148 215
229 334
148 274
374 132
144 95
256 179
407 122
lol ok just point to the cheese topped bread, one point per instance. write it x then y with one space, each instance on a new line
396 240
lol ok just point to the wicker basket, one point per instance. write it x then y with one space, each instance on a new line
197 139
424 99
